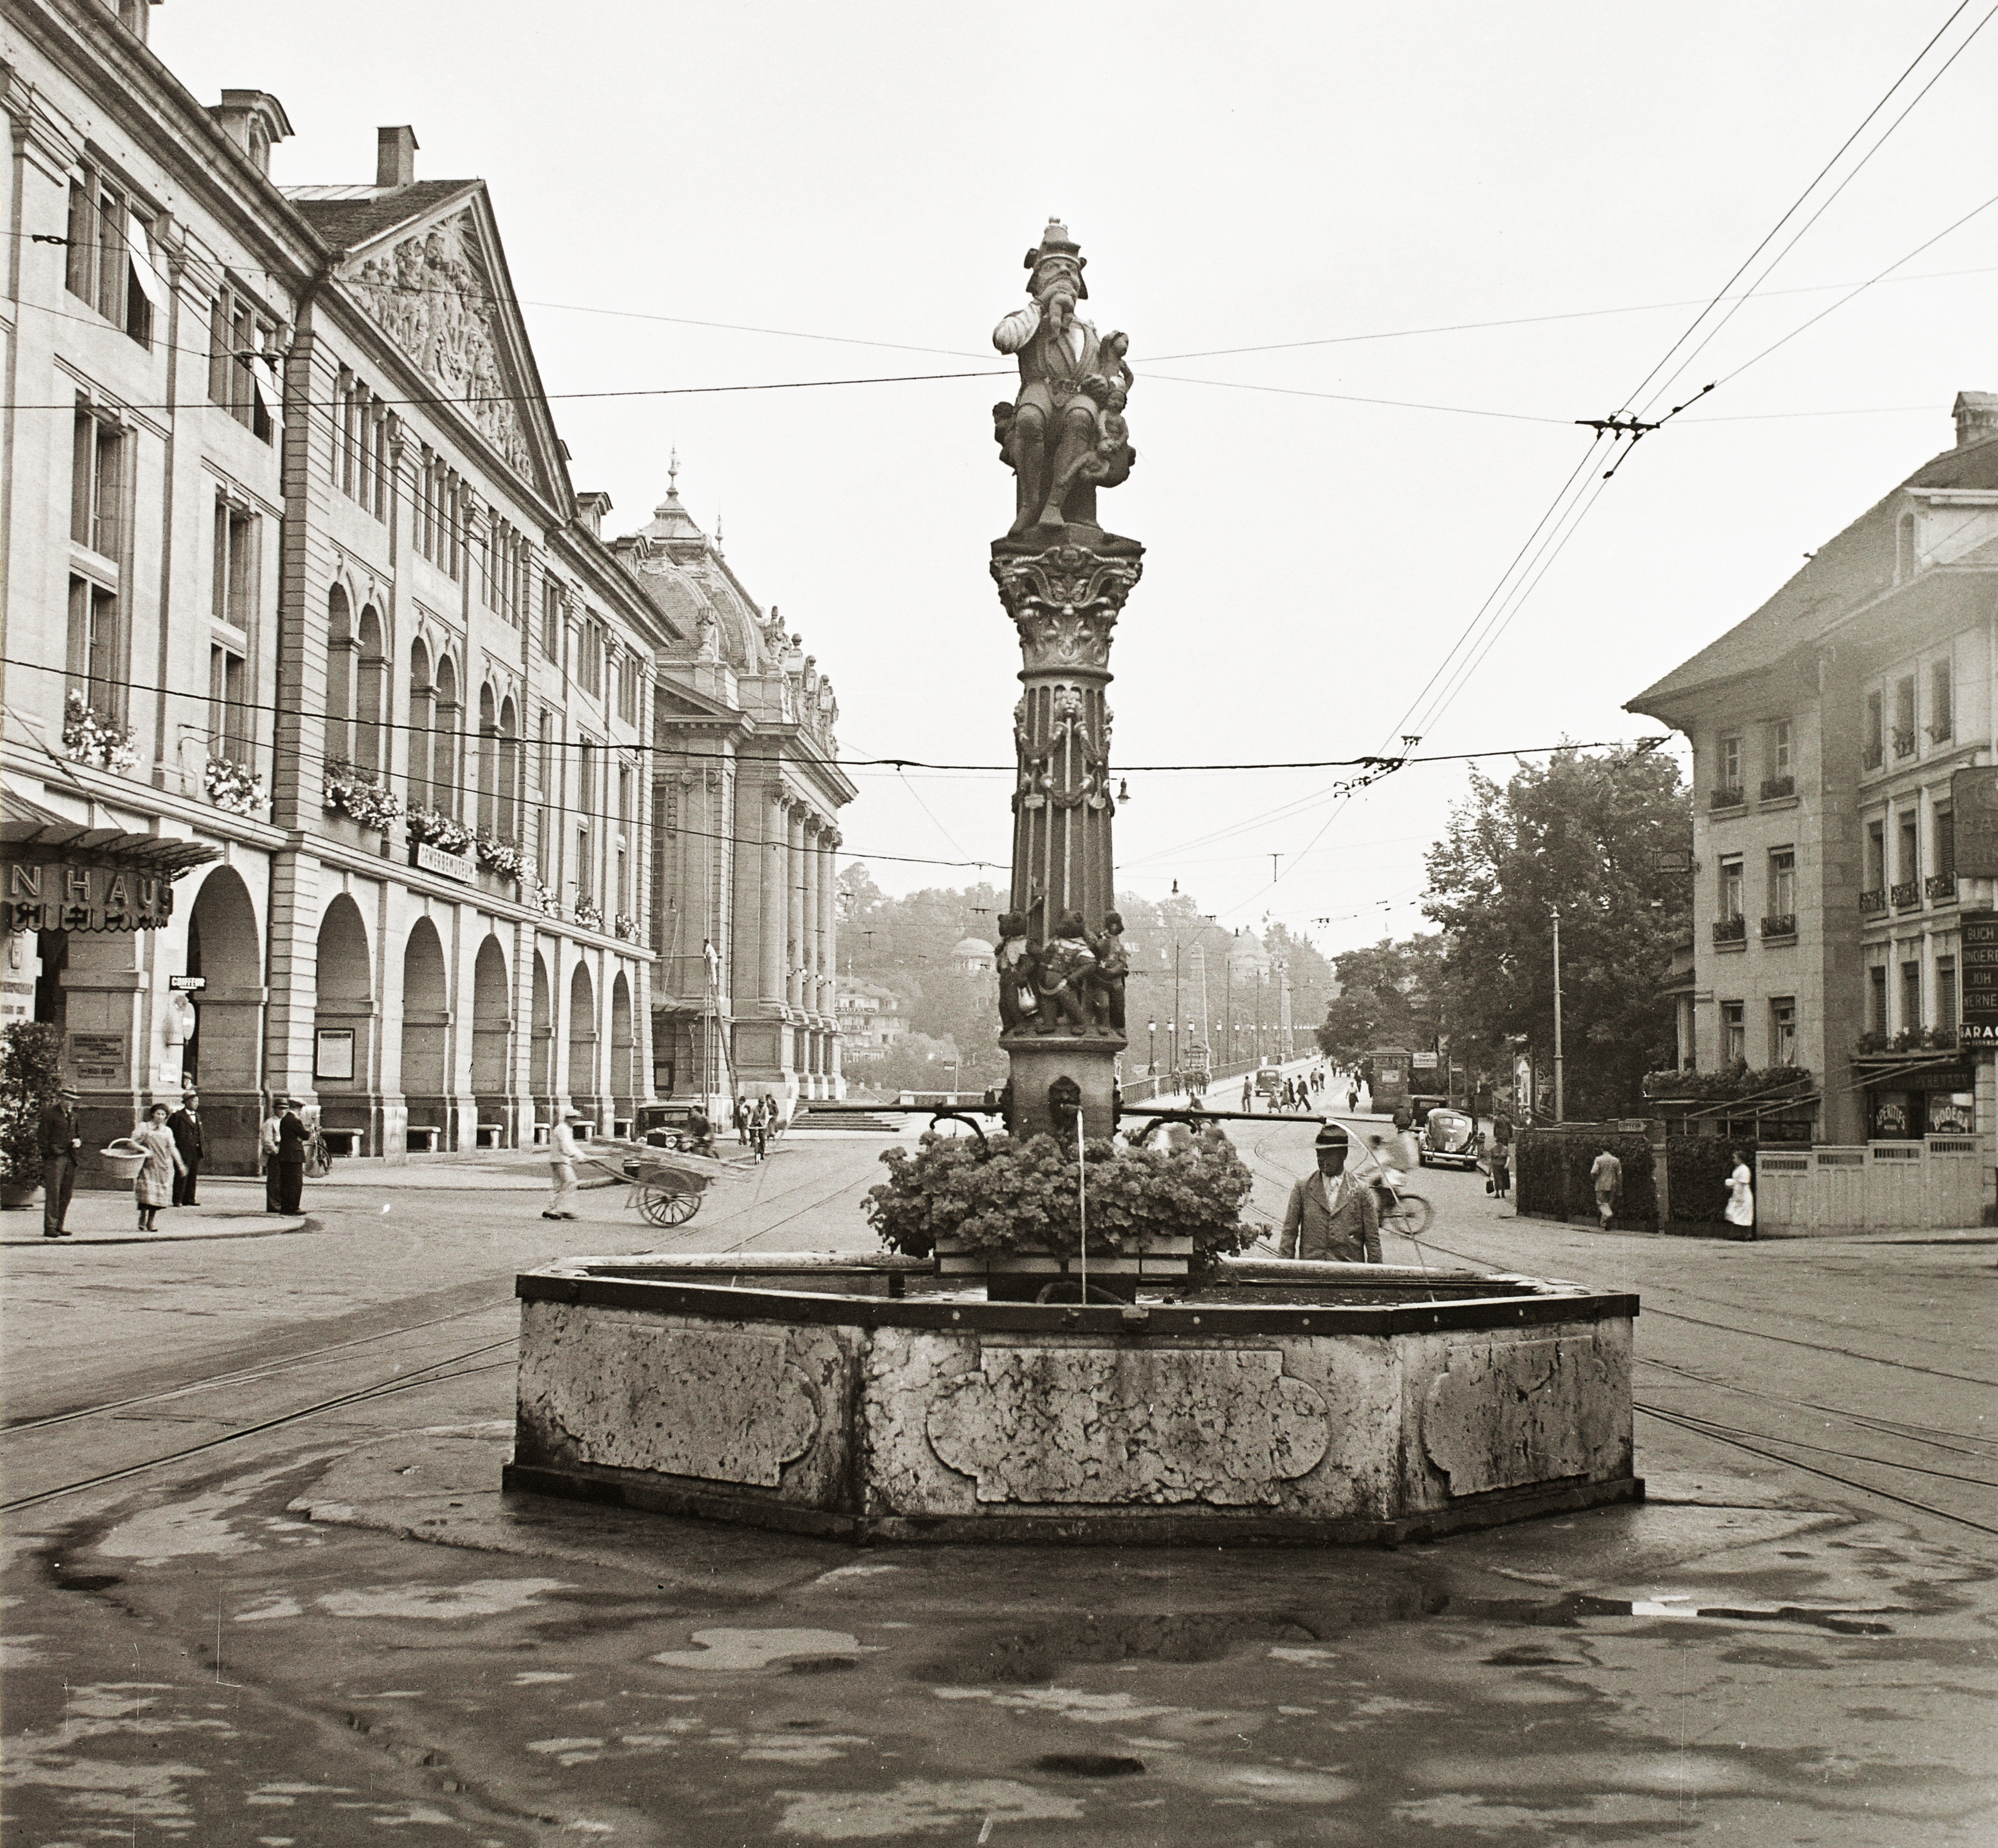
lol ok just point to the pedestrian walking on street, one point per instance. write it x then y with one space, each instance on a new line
742 1120
759 1128
1740 1210
1248 1094
1352 1098
185 1123
1605 1175
153 1187
294 1142
267 1141
562 1166
60 1147
1333 1216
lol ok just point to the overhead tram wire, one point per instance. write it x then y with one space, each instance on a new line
1796 205
529 744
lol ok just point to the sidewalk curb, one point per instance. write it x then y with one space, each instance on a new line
305 1223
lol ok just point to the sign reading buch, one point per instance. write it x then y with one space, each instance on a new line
1980 978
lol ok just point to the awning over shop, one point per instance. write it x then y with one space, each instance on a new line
62 875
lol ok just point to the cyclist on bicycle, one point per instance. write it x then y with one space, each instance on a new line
1332 1215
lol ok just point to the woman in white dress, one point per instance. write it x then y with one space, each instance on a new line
1740 1193
153 1187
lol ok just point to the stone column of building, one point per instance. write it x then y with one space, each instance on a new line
808 951
829 927
776 852
794 895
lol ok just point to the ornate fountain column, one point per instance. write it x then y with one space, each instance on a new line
1063 580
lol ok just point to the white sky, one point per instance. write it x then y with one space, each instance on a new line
1236 177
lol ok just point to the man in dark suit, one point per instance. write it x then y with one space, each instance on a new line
290 1159
185 1123
60 1147
1333 1216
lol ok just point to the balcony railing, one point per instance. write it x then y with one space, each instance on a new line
1872 755
1728 799
1941 886
1873 902
1907 895
1731 930
1775 788
1784 924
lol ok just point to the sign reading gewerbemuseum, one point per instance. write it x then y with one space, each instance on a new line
1973 801
1978 956
65 895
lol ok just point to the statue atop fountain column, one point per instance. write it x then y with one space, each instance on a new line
1064 435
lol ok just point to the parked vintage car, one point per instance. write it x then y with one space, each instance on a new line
1450 1138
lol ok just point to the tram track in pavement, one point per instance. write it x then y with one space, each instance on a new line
1757 1443
405 1379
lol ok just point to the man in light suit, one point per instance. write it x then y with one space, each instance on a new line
1333 1216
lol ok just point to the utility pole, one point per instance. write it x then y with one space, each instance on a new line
1561 1097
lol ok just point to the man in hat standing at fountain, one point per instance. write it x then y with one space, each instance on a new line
1332 1216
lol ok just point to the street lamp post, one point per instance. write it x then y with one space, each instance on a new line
1560 1095
1152 1056
1173 1048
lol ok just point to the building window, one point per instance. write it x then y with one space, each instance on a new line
93 647
590 656
242 374
1780 764
1872 739
437 516
546 843
107 243
551 620
97 485
1943 822
233 598
624 838
228 731
1731 893
1911 996
1909 863
505 569
1783 1031
361 446
1783 882
1876 1000
1904 716
1942 703
1733 1034
627 690
1945 1007
1728 771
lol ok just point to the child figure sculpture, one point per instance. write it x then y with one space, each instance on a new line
1062 973
1019 1007
1113 964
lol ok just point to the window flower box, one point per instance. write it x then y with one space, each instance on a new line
1906 894
435 828
589 916
91 737
1914 1039
233 786
1784 924
361 795
1941 886
1775 788
1731 930
1728 799
1874 901
626 930
502 856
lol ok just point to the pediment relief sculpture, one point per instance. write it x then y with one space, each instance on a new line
429 294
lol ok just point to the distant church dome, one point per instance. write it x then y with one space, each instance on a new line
972 949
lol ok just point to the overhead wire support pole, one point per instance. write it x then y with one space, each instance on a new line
1561 1092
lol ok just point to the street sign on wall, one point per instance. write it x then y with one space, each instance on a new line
1973 801
1978 977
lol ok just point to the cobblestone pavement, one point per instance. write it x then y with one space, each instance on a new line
323 1620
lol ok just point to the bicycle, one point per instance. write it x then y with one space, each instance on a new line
1408 1214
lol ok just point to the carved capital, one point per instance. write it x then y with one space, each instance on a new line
1065 602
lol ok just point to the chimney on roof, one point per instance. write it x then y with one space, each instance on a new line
1976 415
395 156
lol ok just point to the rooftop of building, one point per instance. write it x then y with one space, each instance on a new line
1844 573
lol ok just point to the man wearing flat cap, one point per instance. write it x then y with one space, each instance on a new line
61 1146
1332 1217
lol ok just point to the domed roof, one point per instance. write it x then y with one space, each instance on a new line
973 947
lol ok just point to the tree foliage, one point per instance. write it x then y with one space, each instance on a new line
1389 995
1584 832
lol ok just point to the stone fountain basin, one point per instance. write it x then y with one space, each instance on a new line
1285 1403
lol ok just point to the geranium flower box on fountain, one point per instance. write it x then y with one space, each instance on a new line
1010 1213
